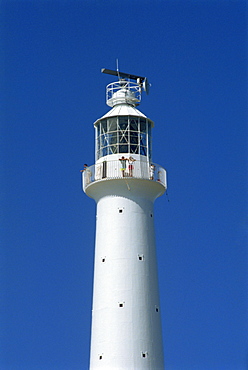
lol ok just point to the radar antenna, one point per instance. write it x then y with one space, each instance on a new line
142 81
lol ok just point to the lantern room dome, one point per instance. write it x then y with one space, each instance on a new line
123 110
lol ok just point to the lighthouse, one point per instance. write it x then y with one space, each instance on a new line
126 329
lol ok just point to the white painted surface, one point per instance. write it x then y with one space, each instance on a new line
123 110
125 273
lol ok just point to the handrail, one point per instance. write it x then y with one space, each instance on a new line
117 169
120 92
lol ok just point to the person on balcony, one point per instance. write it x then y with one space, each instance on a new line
131 165
123 165
152 170
87 174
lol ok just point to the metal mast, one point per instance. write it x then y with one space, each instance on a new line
126 327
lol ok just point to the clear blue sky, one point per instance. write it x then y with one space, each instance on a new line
195 56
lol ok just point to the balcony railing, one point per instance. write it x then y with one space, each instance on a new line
118 169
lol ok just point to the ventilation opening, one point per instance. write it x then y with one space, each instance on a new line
156 309
121 304
144 354
103 259
141 257
100 357
120 210
151 215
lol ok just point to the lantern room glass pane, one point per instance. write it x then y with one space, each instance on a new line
112 124
123 148
134 123
134 149
113 149
123 138
98 143
143 139
112 138
98 129
142 125
103 126
134 138
143 150
103 140
123 123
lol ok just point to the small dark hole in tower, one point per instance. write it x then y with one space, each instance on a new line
151 214
103 259
100 357
144 354
120 210
157 309
140 258
121 305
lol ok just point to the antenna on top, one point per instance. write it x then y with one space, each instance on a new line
117 67
141 81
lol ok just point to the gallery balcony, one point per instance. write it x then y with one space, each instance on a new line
114 169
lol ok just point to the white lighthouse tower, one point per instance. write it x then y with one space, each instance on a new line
124 181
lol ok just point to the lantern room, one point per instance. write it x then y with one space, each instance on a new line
123 134
124 129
